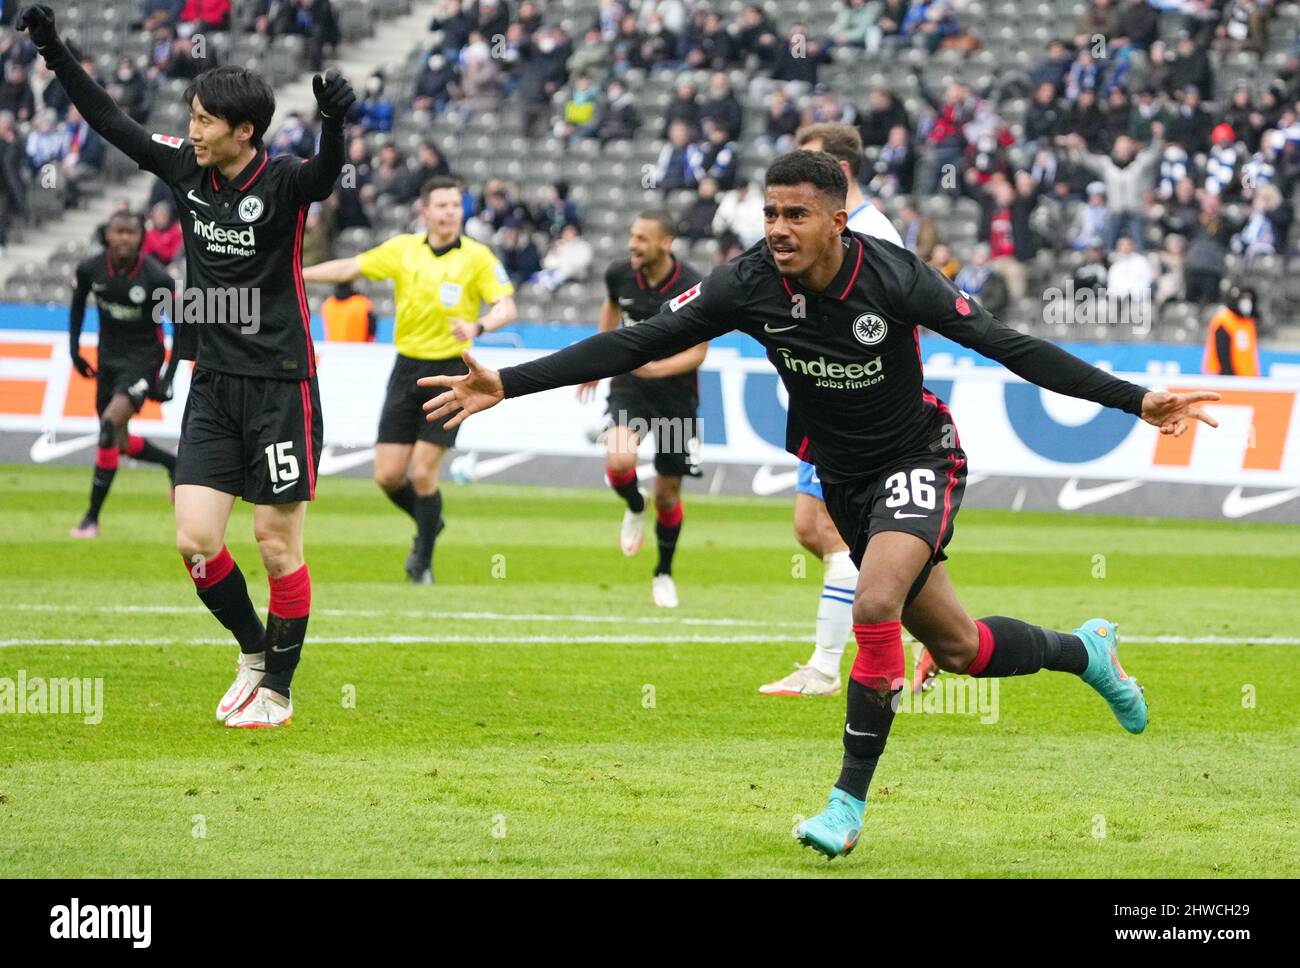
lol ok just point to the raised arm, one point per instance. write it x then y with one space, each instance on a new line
314 179
935 302
96 106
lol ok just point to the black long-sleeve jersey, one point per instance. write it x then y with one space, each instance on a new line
243 236
131 307
849 356
626 288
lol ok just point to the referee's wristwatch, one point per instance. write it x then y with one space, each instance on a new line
479 330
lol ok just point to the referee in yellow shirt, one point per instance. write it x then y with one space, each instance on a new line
441 281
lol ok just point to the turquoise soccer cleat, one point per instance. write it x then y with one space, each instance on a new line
834 832
1107 676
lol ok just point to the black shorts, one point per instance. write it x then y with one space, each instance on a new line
675 427
250 436
919 496
402 420
131 376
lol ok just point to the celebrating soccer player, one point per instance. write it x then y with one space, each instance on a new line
660 397
131 293
442 280
887 449
813 527
252 424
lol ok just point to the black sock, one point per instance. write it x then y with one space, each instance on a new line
404 497
284 638
869 714
1021 649
428 519
153 454
667 536
99 485
228 600
629 492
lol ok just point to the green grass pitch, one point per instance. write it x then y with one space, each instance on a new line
534 715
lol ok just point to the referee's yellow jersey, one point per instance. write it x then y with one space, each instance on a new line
433 286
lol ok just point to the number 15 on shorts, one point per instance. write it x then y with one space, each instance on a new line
282 465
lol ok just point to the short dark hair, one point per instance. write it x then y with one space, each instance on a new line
661 218
135 218
842 142
815 168
435 183
235 95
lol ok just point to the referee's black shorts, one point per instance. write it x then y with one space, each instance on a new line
402 420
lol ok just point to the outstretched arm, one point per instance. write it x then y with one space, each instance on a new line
337 270
940 305
694 317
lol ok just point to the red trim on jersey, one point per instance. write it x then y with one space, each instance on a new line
307 421
787 287
916 331
215 186
139 264
957 465
677 271
942 407
853 278
302 290
802 452
265 158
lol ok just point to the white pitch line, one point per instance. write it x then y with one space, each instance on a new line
438 640
581 640
414 613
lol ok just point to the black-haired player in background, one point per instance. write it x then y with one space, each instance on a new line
252 425
661 397
131 293
887 450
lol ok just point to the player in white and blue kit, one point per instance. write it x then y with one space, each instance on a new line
813 527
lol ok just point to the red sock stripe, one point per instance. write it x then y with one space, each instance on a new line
672 518
619 478
985 653
291 595
134 445
880 662
106 458
208 573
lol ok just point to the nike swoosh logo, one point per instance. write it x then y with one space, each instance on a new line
767 328
853 732
283 487
331 463
276 648
44 449
194 198
1235 505
900 514
625 302
1072 497
766 483
468 467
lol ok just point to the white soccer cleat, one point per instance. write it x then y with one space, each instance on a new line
664 591
632 535
265 710
252 668
804 681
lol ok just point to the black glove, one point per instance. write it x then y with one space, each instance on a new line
38 21
161 390
334 95
82 365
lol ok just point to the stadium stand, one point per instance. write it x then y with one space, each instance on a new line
1015 136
